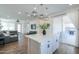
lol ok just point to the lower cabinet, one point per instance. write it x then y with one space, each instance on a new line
47 46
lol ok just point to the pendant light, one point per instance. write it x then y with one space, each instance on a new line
17 21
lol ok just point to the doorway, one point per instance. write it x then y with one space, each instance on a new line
20 34
19 28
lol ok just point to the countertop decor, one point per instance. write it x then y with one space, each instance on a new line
44 27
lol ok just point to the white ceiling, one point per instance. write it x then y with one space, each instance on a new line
11 10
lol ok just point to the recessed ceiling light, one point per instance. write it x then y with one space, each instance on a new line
8 16
19 12
35 8
34 14
28 15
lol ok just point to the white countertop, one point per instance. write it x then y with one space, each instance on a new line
39 37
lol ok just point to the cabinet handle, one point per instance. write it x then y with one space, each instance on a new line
48 46
48 41
56 40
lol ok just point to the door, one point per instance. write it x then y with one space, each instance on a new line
20 35
19 27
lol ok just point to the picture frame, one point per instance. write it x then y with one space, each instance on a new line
33 26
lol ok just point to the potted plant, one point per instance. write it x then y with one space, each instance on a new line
44 27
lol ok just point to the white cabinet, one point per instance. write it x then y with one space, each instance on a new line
49 46
46 45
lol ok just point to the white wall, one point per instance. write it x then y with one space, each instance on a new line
38 22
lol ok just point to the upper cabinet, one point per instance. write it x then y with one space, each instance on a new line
57 25
73 17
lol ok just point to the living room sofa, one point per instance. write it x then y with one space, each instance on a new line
10 36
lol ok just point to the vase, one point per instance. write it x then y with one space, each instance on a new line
44 32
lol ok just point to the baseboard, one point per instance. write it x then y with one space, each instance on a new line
70 45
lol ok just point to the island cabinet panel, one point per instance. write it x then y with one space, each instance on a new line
33 47
44 46
49 46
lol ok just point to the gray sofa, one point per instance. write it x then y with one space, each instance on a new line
11 36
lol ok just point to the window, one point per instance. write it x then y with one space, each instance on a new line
8 26
11 26
4 26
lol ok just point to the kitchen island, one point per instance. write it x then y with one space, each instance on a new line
42 44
